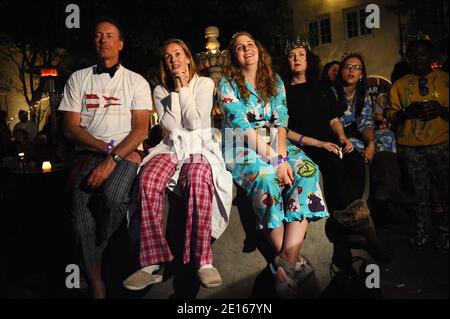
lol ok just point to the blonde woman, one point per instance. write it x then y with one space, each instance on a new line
188 155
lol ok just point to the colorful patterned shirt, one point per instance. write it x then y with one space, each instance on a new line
406 90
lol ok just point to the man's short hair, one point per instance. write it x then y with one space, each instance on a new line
414 44
113 22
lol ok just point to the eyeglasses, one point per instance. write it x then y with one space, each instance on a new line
356 67
423 89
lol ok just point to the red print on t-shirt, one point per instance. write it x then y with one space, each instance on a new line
110 101
93 101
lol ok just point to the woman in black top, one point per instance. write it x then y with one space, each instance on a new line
314 125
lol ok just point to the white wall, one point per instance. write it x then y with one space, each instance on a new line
12 99
380 48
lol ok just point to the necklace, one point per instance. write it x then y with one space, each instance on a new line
421 128
411 84
350 101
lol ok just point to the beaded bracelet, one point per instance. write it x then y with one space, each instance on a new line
109 147
283 159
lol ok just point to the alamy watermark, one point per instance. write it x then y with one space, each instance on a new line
373 277
73 279
73 19
373 18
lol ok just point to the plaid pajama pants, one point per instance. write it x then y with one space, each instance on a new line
197 188
97 214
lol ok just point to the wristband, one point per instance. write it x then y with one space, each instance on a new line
109 147
300 140
282 159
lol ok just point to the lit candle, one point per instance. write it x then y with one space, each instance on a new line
46 166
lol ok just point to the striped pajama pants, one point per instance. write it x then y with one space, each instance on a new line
197 187
97 214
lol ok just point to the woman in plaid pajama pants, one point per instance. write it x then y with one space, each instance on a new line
183 103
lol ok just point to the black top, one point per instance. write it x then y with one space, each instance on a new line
311 106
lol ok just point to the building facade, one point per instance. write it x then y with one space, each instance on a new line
335 27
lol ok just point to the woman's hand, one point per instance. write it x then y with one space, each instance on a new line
347 145
180 78
331 147
369 152
284 173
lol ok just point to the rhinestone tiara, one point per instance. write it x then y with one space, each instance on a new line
297 44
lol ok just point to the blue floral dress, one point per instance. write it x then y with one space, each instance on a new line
273 202
384 138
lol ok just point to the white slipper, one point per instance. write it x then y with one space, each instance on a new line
141 279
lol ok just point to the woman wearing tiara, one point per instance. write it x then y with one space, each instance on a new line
315 126
315 115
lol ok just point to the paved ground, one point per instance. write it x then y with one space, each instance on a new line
34 241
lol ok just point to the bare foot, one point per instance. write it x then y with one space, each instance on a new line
98 291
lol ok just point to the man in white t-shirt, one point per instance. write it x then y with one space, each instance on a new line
106 114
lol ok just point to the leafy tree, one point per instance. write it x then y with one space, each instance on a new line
39 29
27 41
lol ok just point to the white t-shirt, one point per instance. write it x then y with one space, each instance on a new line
106 103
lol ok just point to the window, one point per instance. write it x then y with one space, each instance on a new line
362 22
314 33
355 22
319 31
325 31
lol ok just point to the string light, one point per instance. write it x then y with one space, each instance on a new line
31 108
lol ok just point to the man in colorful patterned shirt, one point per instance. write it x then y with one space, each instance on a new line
419 108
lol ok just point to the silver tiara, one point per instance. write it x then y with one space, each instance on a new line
290 45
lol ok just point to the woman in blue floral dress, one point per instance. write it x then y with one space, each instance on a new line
279 179
358 117
378 148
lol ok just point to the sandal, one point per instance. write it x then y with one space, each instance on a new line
285 287
285 284
303 270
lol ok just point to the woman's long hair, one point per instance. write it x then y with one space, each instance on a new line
325 70
265 77
312 73
165 74
361 85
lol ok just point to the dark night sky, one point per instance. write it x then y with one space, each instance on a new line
146 23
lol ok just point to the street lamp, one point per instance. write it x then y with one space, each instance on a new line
49 74
211 62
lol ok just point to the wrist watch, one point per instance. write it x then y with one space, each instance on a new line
116 157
